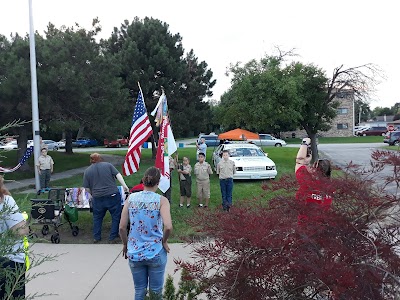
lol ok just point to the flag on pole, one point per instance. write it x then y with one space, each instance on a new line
161 109
166 147
166 143
140 132
24 158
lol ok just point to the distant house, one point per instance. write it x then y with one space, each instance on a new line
342 125
379 121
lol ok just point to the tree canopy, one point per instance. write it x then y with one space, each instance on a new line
89 85
275 95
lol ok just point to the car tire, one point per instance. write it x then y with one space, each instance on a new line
119 145
55 149
278 145
396 143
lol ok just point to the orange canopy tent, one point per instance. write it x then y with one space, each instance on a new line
238 135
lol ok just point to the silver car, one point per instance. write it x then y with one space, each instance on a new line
267 140
51 145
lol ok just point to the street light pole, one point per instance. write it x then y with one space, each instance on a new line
34 91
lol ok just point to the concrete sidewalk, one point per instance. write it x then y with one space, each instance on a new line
29 184
89 272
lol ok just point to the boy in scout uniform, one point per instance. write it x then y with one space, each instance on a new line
185 180
45 168
226 169
202 170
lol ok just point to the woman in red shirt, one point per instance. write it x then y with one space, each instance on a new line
314 184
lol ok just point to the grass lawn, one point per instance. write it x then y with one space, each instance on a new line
62 162
283 157
342 140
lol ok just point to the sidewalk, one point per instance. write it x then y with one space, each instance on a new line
89 272
29 184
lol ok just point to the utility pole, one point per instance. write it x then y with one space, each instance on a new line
34 91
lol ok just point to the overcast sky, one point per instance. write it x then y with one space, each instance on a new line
326 33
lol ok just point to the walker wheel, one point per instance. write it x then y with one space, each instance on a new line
75 230
55 238
45 230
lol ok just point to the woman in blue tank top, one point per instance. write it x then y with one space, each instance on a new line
146 245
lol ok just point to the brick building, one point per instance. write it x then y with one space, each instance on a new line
342 125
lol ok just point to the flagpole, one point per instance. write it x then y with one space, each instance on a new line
34 91
152 133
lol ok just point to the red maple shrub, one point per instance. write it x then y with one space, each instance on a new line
261 251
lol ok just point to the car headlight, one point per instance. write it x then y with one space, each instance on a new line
269 168
239 168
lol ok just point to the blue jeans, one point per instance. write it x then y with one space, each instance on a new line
149 273
226 191
100 207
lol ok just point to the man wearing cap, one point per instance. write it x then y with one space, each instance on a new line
99 180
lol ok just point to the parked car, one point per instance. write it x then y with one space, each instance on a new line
118 142
267 140
373 131
250 161
211 140
358 129
9 145
51 145
61 144
84 142
392 138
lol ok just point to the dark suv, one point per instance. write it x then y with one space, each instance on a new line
392 138
373 131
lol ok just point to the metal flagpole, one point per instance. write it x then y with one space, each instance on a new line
35 106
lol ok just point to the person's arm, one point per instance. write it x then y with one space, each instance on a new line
234 168
38 167
301 157
122 182
167 221
20 229
123 232
209 170
188 171
51 164
218 169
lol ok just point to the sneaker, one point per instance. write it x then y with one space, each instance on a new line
96 241
180 205
187 205
200 205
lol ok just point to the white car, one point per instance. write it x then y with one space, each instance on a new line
267 140
9 146
61 144
250 161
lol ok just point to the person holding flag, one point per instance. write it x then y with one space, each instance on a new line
166 143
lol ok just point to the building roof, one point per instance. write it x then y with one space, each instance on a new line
384 118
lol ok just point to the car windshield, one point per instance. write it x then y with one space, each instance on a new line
238 152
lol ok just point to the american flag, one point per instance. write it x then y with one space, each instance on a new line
140 132
24 158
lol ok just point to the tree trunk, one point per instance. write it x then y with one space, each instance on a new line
68 142
314 147
80 132
22 141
